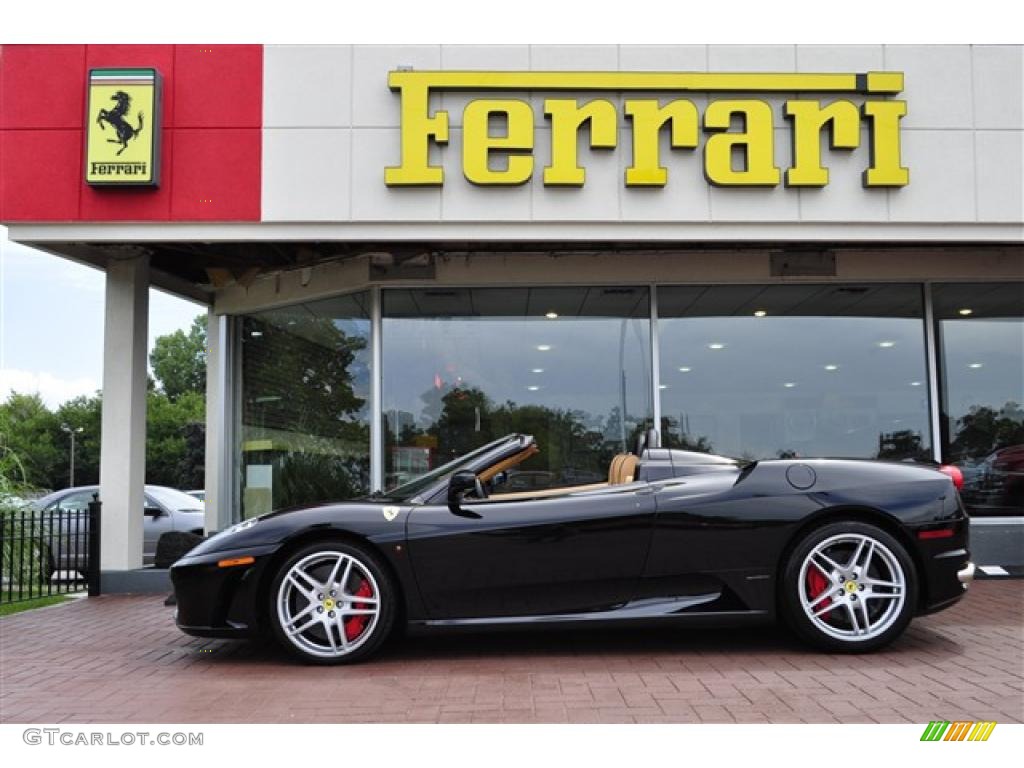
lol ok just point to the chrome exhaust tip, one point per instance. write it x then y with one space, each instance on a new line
966 574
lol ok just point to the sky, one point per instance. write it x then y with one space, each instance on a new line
51 323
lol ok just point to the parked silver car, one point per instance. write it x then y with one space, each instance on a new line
66 514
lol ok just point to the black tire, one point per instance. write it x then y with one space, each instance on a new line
305 644
851 596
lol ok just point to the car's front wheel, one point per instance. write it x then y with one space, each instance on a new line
849 586
332 603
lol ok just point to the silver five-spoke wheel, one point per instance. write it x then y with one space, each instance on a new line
852 587
328 604
848 586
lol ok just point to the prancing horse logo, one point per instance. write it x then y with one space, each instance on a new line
390 513
116 119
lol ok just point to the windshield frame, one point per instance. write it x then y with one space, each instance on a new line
423 487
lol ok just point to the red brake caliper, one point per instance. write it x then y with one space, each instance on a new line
355 625
816 584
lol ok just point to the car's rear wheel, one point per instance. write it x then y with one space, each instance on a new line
849 586
332 603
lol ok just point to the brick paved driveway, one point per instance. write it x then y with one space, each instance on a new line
120 659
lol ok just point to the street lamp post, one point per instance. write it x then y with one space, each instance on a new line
72 432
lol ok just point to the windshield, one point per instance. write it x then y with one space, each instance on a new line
174 500
415 487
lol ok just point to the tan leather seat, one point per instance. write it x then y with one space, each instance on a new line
622 469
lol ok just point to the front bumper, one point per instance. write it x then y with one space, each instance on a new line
220 602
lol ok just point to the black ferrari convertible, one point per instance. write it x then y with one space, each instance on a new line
845 552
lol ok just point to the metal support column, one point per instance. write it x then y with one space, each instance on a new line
932 362
655 364
376 403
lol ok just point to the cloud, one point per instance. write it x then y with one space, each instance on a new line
52 389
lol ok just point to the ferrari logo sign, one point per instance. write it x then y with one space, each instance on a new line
123 128
390 513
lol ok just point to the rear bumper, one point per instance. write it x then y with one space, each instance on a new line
945 560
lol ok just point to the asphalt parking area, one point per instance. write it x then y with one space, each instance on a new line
121 659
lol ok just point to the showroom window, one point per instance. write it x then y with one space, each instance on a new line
304 404
463 366
980 329
784 371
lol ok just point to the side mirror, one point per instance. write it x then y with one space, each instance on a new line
152 512
461 482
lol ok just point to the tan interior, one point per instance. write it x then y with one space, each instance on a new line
511 461
565 490
621 471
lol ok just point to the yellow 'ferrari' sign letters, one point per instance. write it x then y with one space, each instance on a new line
732 157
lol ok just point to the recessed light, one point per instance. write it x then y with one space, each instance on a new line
759 313
533 387
789 384
543 347
536 370
685 369
716 345
551 315
975 365
831 367
966 311
886 344
915 383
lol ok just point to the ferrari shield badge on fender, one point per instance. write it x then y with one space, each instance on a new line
390 513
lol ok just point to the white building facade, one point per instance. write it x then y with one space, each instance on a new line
407 251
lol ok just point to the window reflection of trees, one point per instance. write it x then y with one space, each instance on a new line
301 414
576 448
984 429
988 446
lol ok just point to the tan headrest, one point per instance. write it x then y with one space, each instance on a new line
622 469
613 469
628 469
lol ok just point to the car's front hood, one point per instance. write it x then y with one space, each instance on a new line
368 518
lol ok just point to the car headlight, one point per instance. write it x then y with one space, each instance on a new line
243 526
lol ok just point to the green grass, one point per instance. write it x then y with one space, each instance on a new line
6 609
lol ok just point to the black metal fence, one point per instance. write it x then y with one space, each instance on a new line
51 552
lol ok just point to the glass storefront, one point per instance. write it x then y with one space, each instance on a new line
304 404
752 371
785 371
980 330
461 367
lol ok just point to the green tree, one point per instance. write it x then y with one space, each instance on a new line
30 431
167 423
85 412
179 360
